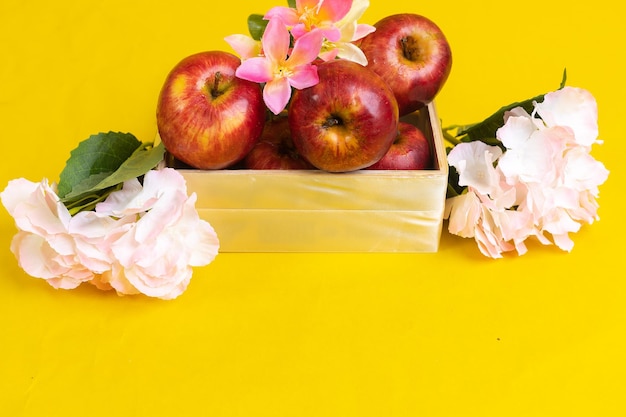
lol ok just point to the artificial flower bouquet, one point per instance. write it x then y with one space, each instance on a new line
526 171
120 219
111 221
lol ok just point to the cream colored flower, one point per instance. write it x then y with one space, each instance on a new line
141 239
154 254
544 184
51 244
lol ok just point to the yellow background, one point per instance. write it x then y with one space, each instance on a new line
445 334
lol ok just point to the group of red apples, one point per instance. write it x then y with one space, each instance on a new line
209 119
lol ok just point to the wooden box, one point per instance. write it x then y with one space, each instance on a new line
316 211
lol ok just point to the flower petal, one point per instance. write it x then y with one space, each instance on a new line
245 46
582 171
16 192
575 108
328 54
357 9
257 70
35 207
127 201
304 76
516 131
288 15
276 94
351 52
362 30
276 40
474 162
331 33
333 10
306 49
464 213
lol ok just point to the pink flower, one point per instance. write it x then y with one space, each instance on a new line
281 69
310 15
154 254
349 32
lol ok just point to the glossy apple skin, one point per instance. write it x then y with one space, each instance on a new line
411 53
345 122
410 150
275 149
207 117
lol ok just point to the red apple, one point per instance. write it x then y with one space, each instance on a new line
411 53
275 149
207 117
345 122
410 150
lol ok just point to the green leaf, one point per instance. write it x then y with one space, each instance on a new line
86 187
100 164
138 163
256 26
97 155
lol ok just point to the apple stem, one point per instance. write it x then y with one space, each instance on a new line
215 91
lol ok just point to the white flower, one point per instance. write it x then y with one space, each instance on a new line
50 243
545 182
574 108
141 239
154 254
474 162
533 158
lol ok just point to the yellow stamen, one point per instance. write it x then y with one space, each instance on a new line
309 17
282 72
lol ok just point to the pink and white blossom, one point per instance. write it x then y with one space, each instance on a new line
312 15
543 185
144 238
154 254
350 31
281 67
474 161
484 212
50 243
573 108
